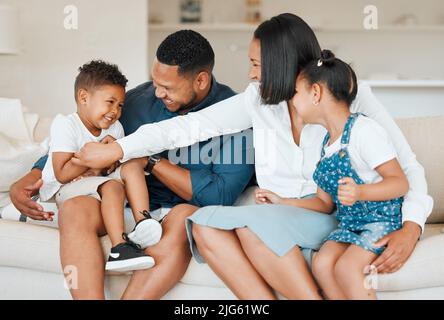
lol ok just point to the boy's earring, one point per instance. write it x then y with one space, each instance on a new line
316 103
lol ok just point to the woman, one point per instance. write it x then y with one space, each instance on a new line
257 249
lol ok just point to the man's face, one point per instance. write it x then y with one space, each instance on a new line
176 91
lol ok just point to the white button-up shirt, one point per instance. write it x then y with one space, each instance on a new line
282 166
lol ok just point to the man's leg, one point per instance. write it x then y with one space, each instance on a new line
224 254
81 224
288 275
172 256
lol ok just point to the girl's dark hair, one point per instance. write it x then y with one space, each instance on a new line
287 44
337 75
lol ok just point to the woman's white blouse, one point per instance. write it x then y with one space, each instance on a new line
281 165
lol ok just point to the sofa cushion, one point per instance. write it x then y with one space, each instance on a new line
424 136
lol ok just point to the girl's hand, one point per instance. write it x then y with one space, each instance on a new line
89 173
348 192
267 197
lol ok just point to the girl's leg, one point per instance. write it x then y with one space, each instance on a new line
226 257
80 225
350 273
323 268
133 175
288 275
113 199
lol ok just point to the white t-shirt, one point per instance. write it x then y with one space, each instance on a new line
369 147
69 134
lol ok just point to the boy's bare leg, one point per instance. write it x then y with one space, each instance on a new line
112 193
288 274
323 267
133 175
172 256
350 274
80 225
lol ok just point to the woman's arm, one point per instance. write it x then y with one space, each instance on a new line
417 204
225 117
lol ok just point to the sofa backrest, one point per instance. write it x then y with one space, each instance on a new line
426 137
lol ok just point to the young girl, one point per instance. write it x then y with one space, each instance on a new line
100 93
358 173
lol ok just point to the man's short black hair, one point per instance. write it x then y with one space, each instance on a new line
188 50
98 73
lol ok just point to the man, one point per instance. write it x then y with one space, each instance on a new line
182 83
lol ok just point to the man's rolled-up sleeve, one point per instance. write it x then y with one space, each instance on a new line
223 183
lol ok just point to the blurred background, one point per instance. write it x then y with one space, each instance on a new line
402 59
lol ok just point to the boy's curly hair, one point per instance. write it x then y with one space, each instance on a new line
97 73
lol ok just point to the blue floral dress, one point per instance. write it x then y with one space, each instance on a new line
365 222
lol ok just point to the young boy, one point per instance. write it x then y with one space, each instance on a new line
99 94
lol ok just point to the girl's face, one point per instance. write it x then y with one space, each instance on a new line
306 100
254 54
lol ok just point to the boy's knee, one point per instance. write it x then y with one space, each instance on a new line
112 186
75 212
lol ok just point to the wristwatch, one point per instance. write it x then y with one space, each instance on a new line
152 161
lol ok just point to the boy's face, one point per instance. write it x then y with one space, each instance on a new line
176 91
103 105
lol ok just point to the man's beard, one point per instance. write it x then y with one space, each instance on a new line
190 104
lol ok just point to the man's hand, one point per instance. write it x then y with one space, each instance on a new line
21 197
97 155
348 191
400 245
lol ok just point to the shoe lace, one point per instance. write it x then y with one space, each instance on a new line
131 243
146 214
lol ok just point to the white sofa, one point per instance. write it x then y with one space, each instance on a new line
30 265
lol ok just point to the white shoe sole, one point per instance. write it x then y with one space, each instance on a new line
130 264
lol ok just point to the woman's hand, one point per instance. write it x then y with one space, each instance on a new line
107 139
348 191
98 155
267 197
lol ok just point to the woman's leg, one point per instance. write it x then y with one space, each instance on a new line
112 193
288 275
350 273
80 225
224 254
172 256
323 268
133 175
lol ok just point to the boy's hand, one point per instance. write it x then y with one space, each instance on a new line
89 173
348 192
266 197
107 139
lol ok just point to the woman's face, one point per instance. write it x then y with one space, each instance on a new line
254 54
305 100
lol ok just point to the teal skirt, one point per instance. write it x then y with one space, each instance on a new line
280 227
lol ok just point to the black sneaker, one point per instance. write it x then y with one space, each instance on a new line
128 256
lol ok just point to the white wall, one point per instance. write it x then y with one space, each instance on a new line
43 74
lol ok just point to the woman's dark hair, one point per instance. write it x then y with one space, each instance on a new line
187 49
337 75
287 45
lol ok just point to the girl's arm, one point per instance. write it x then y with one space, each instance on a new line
417 204
394 184
321 203
64 169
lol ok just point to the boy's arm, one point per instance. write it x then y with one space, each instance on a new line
64 169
